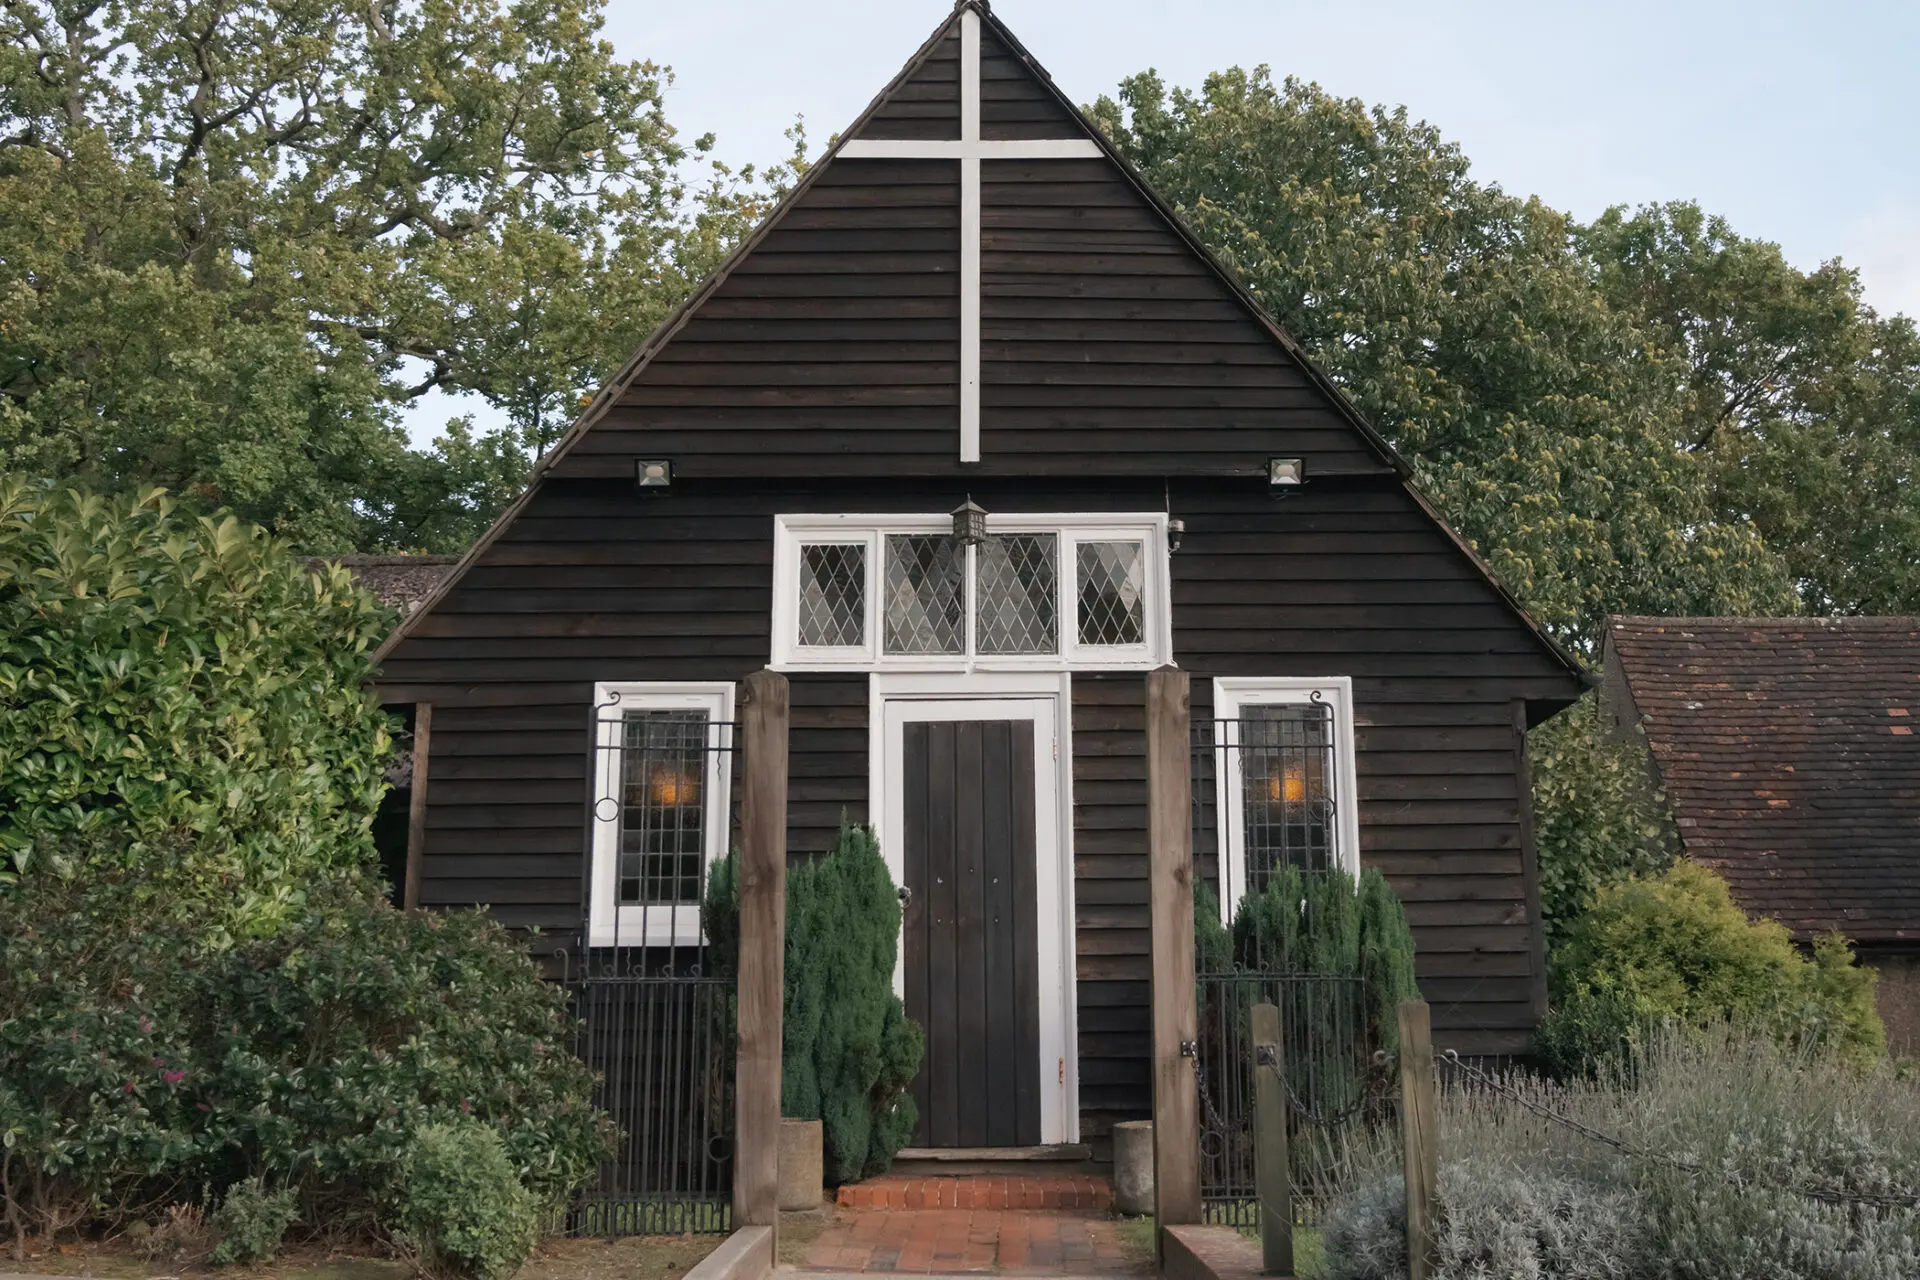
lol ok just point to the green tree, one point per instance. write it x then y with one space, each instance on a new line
1802 403
1598 817
237 236
1466 325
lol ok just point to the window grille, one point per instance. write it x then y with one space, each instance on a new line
1017 604
1287 794
926 594
1113 593
663 838
833 595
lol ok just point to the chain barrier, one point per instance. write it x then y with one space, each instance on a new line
1825 1195
1306 1114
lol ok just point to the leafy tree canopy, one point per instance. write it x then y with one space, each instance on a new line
1467 325
237 236
1801 402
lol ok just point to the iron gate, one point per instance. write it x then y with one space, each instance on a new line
653 977
1266 797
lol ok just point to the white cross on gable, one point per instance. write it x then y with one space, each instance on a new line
970 150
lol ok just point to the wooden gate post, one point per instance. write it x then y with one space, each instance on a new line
1272 1172
1421 1145
1176 1098
763 944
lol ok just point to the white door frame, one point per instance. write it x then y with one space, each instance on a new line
1047 700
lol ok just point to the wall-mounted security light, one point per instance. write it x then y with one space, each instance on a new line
653 473
1286 473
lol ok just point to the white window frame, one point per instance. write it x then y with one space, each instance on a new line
871 531
609 923
1231 695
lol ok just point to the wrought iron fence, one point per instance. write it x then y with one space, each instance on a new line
1334 1083
652 985
1266 797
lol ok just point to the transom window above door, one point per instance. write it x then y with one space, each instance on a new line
1037 591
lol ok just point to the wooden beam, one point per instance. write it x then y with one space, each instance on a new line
1422 1139
1272 1177
1530 861
764 708
1176 1101
417 805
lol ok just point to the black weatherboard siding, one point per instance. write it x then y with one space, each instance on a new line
818 372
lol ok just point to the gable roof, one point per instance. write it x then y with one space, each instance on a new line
910 106
1789 753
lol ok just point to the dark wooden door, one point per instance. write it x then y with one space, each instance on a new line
972 938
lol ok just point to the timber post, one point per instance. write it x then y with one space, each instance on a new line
1272 1177
1420 1130
1176 1098
762 963
417 806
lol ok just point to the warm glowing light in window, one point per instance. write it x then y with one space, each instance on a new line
674 789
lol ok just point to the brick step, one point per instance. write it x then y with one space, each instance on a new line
1082 1193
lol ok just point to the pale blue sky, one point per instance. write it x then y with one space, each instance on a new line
1799 122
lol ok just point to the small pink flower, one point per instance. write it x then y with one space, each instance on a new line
466 1106
173 1077
159 1062
146 1025
128 1088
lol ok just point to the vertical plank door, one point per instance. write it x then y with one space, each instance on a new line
972 936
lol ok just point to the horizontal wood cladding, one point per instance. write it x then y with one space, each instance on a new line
596 581
1108 345
925 105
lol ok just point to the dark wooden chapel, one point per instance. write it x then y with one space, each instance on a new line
965 439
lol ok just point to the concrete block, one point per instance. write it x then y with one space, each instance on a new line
800 1165
1133 1166
747 1254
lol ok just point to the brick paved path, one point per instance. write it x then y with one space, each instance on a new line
1056 1225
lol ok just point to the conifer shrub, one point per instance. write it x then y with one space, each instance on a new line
1327 924
1675 947
849 1051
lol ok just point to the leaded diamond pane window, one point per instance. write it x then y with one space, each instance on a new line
1017 602
833 595
1113 593
1287 801
663 776
926 594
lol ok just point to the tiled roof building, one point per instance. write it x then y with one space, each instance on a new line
1787 749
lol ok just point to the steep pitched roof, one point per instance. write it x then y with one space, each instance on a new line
913 105
1788 749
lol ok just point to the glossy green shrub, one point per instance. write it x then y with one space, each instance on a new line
1676 947
140 1064
461 1212
184 693
250 1221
